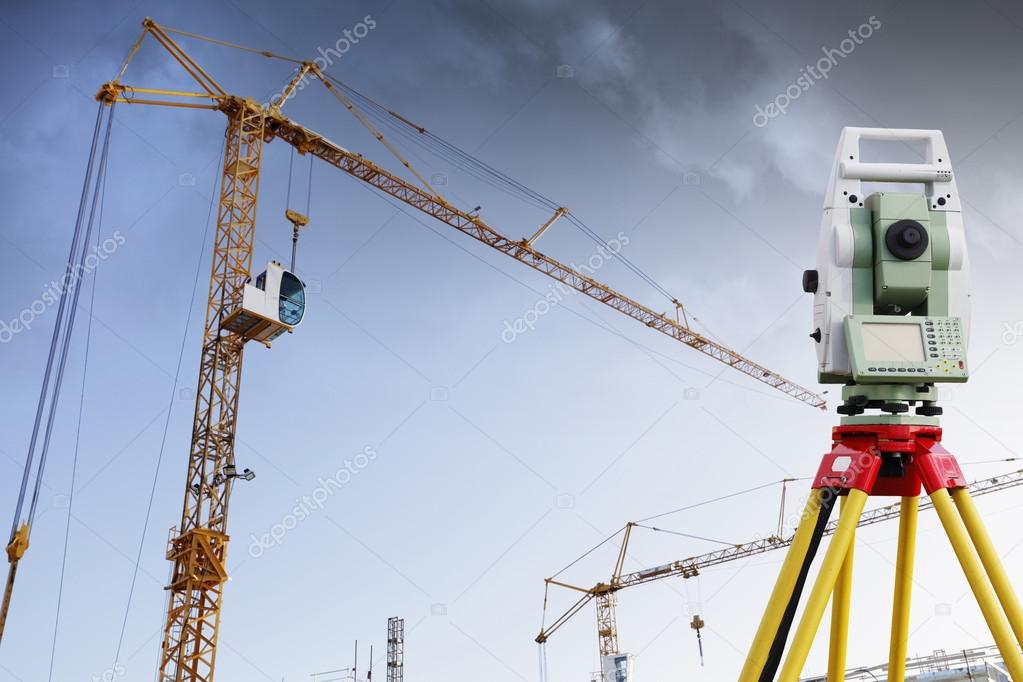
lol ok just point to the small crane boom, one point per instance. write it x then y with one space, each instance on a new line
604 592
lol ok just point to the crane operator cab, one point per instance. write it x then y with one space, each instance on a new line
273 305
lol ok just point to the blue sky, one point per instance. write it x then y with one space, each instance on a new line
491 464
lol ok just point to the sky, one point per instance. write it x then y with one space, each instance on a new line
470 466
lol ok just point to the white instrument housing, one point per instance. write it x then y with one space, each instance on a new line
834 297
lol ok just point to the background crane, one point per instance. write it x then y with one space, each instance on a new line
604 593
198 544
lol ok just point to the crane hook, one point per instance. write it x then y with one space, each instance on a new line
298 221
698 625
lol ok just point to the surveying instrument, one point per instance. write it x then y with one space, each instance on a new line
891 323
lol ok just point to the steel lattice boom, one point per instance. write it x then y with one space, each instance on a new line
358 166
692 566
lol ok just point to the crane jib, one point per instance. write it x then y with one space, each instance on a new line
356 165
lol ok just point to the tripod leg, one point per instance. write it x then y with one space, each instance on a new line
903 589
840 606
989 557
983 592
823 587
770 638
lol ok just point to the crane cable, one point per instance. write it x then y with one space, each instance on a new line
680 534
479 168
781 507
223 43
170 406
309 188
490 175
58 326
474 167
78 440
721 498
49 393
291 167
589 552
66 342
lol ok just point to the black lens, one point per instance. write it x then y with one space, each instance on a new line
906 239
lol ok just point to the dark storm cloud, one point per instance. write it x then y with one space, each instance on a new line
687 56
685 77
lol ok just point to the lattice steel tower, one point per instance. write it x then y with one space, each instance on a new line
395 649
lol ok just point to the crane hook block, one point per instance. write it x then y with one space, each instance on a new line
273 305
18 545
296 218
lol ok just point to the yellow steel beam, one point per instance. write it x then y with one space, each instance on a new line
817 602
15 550
199 549
904 562
841 607
983 591
989 557
781 595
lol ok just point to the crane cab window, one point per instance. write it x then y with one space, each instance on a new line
292 299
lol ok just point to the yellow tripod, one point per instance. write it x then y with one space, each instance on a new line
887 460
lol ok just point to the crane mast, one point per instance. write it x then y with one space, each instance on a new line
198 545
198 551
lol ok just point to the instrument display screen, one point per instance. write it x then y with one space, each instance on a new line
906 349
899 342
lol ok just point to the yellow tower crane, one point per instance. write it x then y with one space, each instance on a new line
198 545
604 593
